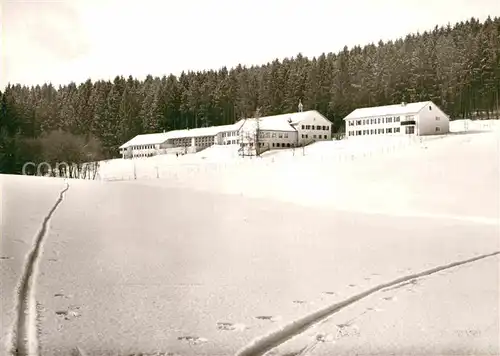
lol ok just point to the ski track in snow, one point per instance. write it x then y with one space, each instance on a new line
274 339
24 334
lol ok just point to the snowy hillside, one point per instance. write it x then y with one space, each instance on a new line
128 269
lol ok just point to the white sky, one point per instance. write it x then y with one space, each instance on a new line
72 40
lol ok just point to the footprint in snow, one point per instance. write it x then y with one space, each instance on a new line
153 354
352 285
193 340
330 293
374 309
299 301
6 258
391 298
70 313
230 326
268 318
323 337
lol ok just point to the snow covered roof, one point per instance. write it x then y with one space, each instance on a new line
398 109
147 139
295 117
157 138
282 122
203 131
266 123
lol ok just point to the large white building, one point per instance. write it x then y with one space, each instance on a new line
279 131
422 118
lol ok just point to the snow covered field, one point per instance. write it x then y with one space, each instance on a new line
407 175
206 260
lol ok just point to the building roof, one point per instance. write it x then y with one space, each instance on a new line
203 131
267 124
398 109
282 122
158 138
295 118
147 139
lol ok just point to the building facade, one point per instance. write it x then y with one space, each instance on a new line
270 132
422 118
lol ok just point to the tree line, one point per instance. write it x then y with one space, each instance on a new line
457 67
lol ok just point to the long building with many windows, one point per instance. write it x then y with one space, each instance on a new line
269 132
422 118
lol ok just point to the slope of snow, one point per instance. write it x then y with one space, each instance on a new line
25 203
133 268
426 316
455 175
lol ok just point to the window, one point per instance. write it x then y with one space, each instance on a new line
378 120
430 108
287 145
396 129
351 123
358 132
358 122
396 119
382 120
389 119
326 137
273 144
318 127
285 135
438 129
438 118
280 135
308 127
380 131
389 130
273 135
303 127
314 136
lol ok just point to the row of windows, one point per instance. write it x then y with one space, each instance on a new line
182 141
273 134
143 147
380 120
315 136
144 154
374 131
313 127
274 144
204 139
229 134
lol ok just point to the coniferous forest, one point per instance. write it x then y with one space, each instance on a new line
457 67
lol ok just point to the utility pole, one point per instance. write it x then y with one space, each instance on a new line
257 132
